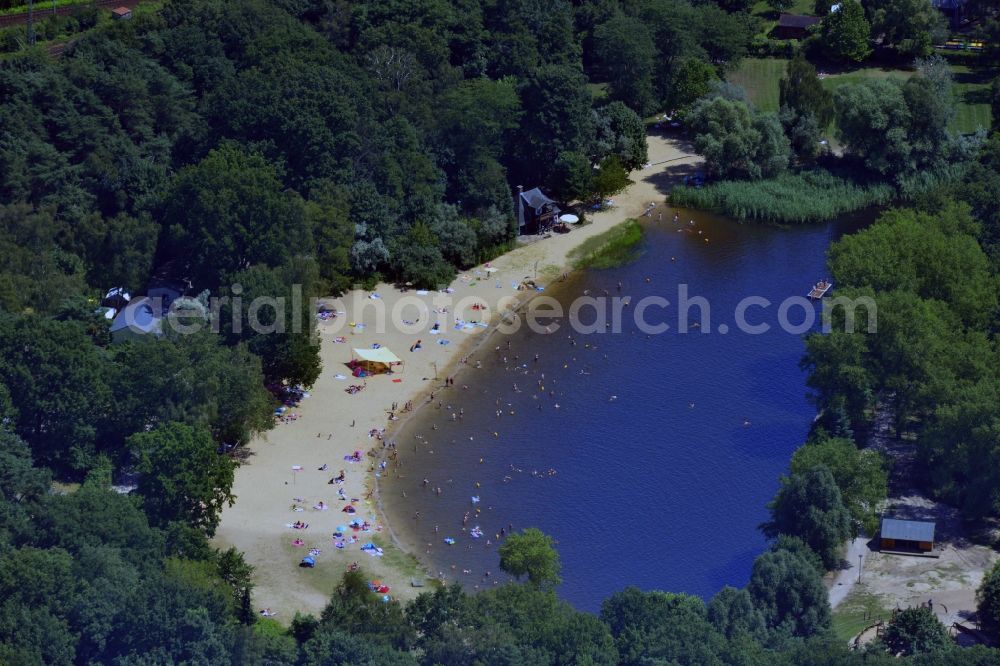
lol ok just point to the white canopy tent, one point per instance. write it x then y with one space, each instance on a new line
377 360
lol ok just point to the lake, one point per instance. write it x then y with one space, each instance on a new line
649 458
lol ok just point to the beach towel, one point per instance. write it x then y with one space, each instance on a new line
396 381
442 341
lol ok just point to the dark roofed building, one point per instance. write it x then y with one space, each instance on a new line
794 26
915 535
535 211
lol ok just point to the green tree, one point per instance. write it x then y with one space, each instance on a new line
609 179
556 119
860 475
789 592
931 102
988 599
275 320
194 379
624 47
911 26
915 631
959 448
327 216
801 91
620 132
872 123
736 141
809 506
331 646
456 236
692 79
418 259
531 554
733 613
20 481
799 548
42 634
183 476
846 32
803 133
355 609
660 627
229 212
572 177
57 384
926 254
238 575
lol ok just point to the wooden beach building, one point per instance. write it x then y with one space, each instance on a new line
536 213
907 535
794 26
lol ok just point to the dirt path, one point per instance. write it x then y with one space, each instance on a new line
844 580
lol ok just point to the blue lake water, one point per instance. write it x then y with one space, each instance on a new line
662 486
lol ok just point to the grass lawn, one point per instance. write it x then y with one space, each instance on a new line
972 87
856 612
41 6
598 92
759 76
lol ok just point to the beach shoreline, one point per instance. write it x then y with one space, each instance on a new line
289 467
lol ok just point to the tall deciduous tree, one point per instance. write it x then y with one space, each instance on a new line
557 119
872 123
611 178
57 386
230 212
860 475
624 47
620 132
801 90
733 613
846 32
988 599
915 631
275 320
809 506
531 554
660 627
736 141
692 79
184 478
911 26
790 594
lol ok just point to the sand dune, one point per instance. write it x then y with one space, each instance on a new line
332 424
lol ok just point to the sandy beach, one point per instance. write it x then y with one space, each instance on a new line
290 469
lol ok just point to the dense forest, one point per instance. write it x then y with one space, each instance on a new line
326 143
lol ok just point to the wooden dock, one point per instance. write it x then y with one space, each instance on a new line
820 288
